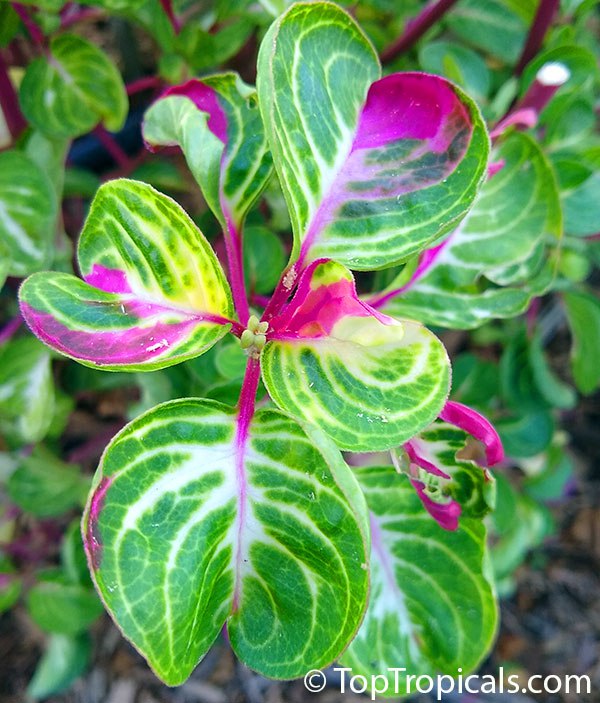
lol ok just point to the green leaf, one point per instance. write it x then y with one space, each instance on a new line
154 292
216 123
26 390
583 315
363 188
27 214
432 607
526 434
45 486
65 659
264 259
474 380
471 72
55 605
582 207
4 262
369 381
553 390
496 260
72 556
193 524
10 585
231 360
73 89
490 26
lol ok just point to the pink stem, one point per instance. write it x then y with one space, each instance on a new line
262 300
246 407
145 83
416 28
426 261
10 329
541 23
282 292
531 315
233 248
167 6
34 31
9 102
108 142
75 16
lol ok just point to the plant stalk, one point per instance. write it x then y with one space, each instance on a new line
10 329
144 83
233 249
542 21
416 28
34 31
167 6
9 102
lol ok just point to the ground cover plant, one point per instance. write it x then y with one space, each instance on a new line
304 469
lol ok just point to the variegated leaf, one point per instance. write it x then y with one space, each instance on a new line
217 124
153 293
26 390
193 524
497 258
369 381
71 90
27 214
432 607
372 170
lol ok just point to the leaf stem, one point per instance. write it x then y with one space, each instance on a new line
34 31
9 103
74 16
282 292
416 28
10 328
246 407
233 249
144 83
112 147
427 259
167 7
541 23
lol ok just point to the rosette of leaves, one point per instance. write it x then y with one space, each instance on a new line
204 515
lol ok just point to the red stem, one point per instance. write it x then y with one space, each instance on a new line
233 248
145 83
9 102
109 143
90 14
167 6
415 29
541 23
34 31
10 329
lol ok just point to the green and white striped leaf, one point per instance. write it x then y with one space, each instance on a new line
26 390
369 381
372 170
497 259
27 215
217 124
70 91
432 608
153 293
190 526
